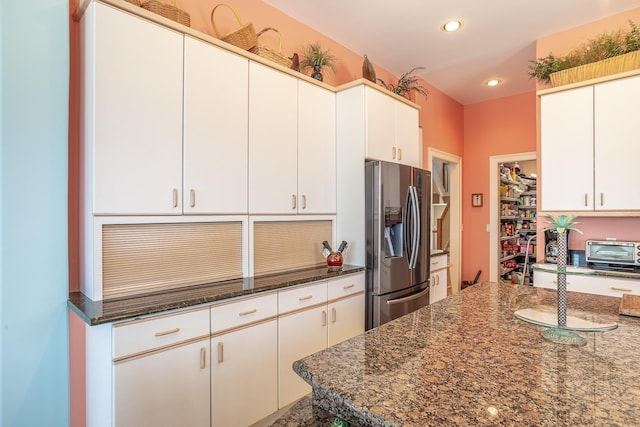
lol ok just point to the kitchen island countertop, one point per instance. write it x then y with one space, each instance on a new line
467 360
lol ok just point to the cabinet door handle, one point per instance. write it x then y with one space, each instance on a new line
333 315
393 153
586 200
305 298
169 332
246 313
601 199
203 358
175 197
399 153
349 286
220 352
621 289
192 198
324 318
293 201
304 201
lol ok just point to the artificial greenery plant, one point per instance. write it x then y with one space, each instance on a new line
407 84
607 45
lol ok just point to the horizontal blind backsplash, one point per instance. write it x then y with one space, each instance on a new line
140 258
288 245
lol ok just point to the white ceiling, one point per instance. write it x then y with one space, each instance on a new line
497 40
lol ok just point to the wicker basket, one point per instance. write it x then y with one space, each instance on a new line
617 64
269 53
168 10
244 37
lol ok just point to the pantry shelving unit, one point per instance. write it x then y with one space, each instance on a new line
518 210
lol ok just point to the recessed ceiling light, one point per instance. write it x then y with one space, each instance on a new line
493 82
452 25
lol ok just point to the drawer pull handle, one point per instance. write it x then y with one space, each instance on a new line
175 197
192 198
305 298
324 318
601 199
399 153
349 286
586 199
304 201
393 153
621 289
220 352
246 313
333 315
293 201
169 332
203 358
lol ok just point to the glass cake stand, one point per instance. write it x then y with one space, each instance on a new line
547 317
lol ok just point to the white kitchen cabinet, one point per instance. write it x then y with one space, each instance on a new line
616 149
316 149
392 129
244 361
302 330
161 371
587 140
167 388
215 130
345 308
273 141
132 113
589 283
438 284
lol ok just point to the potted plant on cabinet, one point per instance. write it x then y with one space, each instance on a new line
407 83
608 53
316 59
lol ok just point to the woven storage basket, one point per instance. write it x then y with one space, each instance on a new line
244 37
168 10
606 67
269 53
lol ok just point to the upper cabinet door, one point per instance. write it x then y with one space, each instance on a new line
316 149
616 145
380 119
566 124
215 129
133 107
407 135
273 140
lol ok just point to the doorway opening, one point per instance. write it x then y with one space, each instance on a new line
510 207
446 210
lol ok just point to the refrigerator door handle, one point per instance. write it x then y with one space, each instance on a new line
416 227
409 298
406 229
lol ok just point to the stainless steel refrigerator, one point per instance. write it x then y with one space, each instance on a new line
398 216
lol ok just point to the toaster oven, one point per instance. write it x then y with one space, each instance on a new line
613 252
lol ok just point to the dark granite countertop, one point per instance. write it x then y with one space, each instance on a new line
466 360
553 268
98 312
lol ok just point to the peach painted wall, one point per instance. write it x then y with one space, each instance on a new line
440 117
502 126
560 44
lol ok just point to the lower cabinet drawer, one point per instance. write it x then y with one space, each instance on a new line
302 297
146 334
345 286
243 311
